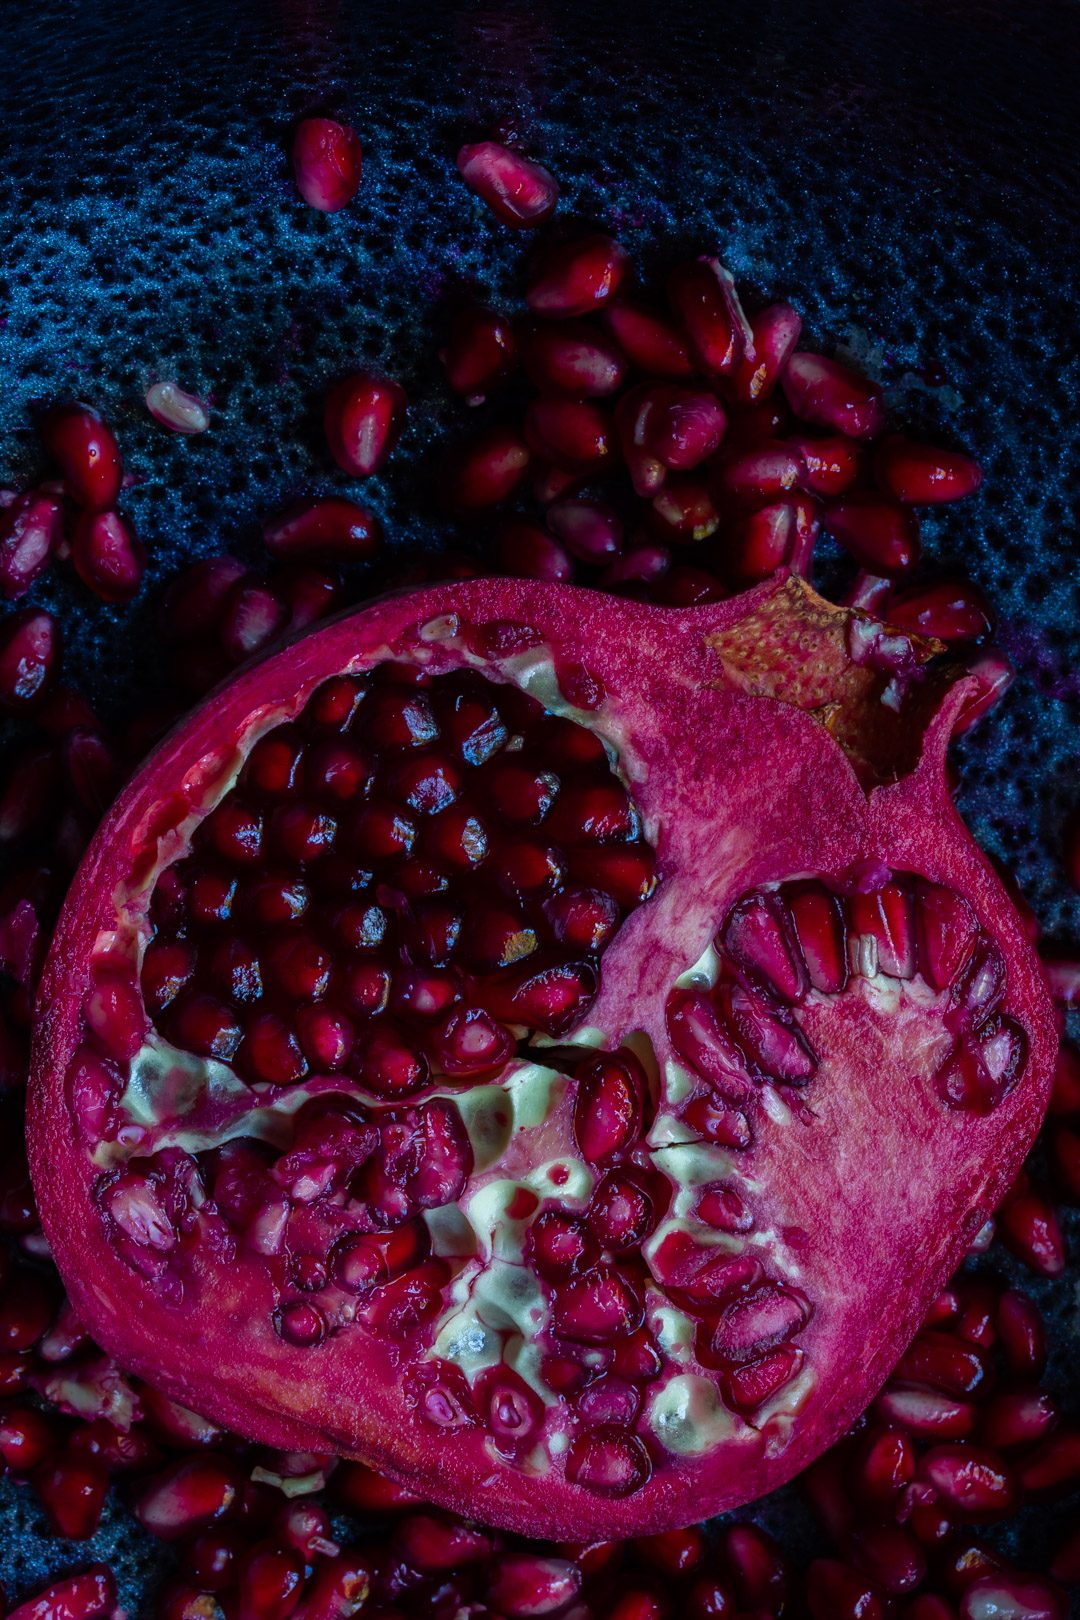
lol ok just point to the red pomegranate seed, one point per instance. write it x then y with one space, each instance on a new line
1053 1468
27 1308
27 1437
759 473
674 1552
829 465
526 1586
779 535
328 530
880 536
432 1543
944 1363
363 418
29 657
889 1555
589 530
107 555
708 1599
89 1596
271 1580
188 1496
72 1492
682 426
1011 1597
774 333
608 1462
649 341
518 191
1021 1334
83 447
573 358
326 163
486 470
926 1412
704 301
643 564
174 408
481 351
830 394
993 674
574 277
923 474
951 610
571 433
835 1592
30 530
638 1606
339 1587
527 550
304 1526
969 1480
1014 1418
684 511
1029 1227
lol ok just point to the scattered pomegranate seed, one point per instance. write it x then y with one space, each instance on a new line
703 298
363 418
175 408
881 537
30 529
830 394
72 1492
1029 1226
107 555
518 191
330 530
480 352
526 549
575 277
83 447
923 474
326 161
29 657
993 674
89 1596
485 471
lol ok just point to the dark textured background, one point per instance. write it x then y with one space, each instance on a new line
904 171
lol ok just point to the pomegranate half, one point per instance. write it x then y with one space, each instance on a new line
550 1047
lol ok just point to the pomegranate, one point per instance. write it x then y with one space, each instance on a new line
527 1040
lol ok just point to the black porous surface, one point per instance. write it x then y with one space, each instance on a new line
902 170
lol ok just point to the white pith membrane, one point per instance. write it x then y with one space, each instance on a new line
687 1335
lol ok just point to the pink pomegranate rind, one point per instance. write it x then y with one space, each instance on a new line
614 1290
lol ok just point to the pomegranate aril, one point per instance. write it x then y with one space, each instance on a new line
27 1438
582 919
486 470
923 474
107 555
885 916
757 935
572 433
830 394
526 1586
527 550
518 191
480 352
271 1053
1011 1597
880 536
177 409
749 477
329 530
608 1108
573 358
682 426
947 931
749 1386
326 163
951 610
1028 1225
704 301
71 1491
560 1246
835 1592
87 1596
774 332
84 448
29 657
363 418
588 529
927 1413
944 1363
993 674
305 1527
608 1462
30 530
828 465
390 1067
650 341
573 277
1016 1418
969 1480
596 1308
270 1583
683 512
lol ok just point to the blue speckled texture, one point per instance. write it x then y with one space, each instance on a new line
902 170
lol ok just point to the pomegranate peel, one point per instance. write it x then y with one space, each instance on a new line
322 1231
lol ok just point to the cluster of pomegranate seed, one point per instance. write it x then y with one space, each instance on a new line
73 516
672 447
780 945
